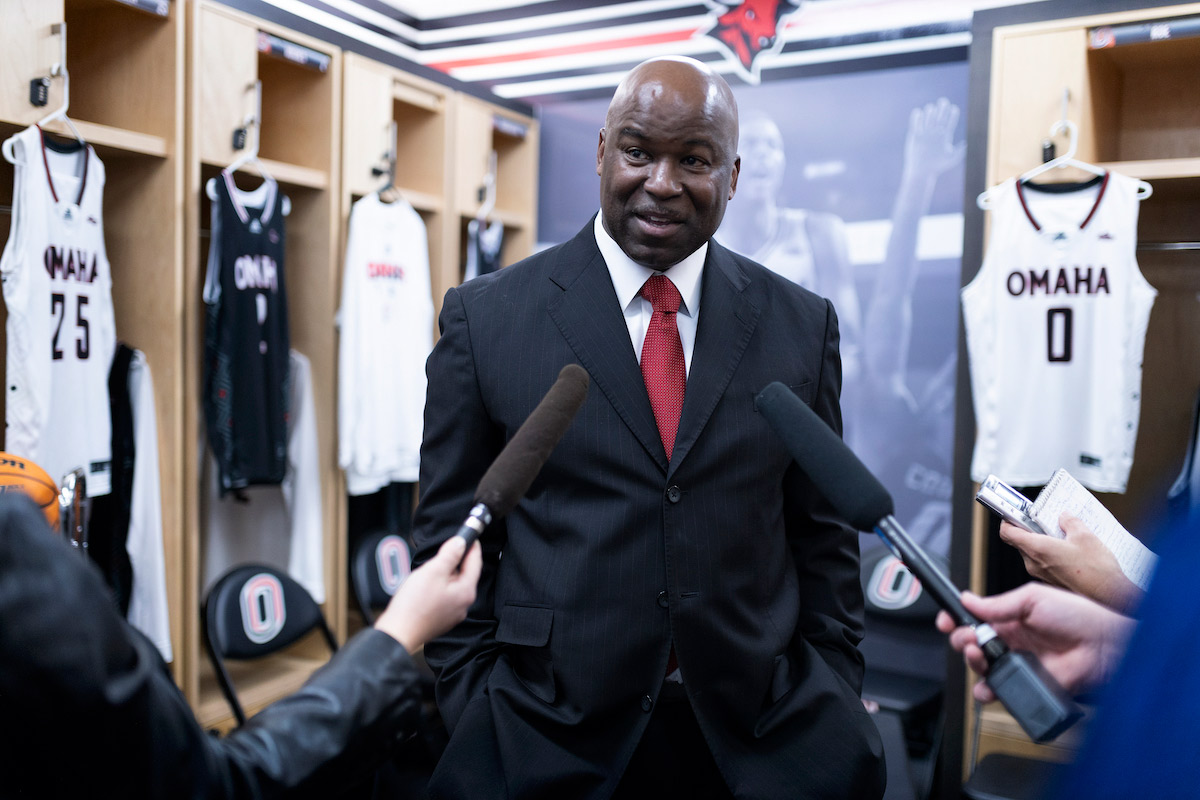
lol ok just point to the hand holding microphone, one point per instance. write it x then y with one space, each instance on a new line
1078 640
1018 680
513 471
435 597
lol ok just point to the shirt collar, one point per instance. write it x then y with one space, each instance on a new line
628 276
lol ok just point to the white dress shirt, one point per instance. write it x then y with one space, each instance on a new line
628 277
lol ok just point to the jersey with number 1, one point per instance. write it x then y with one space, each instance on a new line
246 336
1056 322
61 332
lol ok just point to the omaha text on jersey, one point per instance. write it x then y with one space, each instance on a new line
1067 280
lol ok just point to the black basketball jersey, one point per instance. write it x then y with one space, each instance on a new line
246 338
108 527
484 243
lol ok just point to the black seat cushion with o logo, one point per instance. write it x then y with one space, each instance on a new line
892 591
254 610
380 563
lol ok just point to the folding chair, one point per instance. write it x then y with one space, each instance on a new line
379 564
253 611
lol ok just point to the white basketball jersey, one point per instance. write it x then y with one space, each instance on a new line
148 610
386 323
61 332
1056 323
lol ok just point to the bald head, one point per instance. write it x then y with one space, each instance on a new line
677 73
667 159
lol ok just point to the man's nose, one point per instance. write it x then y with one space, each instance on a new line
663 180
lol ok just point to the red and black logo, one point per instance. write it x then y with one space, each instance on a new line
263 609
749 30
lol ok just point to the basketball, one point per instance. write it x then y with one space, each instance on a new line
19 474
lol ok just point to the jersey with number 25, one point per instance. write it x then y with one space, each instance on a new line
60 329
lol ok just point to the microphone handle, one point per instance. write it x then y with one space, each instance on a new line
475 523
933 579
937 584
1030 693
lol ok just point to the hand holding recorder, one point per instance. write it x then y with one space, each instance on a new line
1078 560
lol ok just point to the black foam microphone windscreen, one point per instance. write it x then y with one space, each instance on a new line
513 471
1025 688
826 460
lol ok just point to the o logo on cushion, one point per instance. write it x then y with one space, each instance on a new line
393 562
892 586
263 613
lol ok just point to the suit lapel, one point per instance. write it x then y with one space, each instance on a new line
592 322
727 321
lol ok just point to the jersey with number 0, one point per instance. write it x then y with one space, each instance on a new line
1056 323
61 331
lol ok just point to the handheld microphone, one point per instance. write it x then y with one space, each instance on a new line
513 471
1022 684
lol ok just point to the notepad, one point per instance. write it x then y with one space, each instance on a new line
1064 494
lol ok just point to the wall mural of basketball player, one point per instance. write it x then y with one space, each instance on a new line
916 465
904 438
806 246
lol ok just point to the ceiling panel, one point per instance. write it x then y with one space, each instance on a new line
535 51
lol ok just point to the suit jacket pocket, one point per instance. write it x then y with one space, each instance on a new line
525 632
806 390
781 677
803 683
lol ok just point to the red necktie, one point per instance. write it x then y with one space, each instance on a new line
664 369
663 366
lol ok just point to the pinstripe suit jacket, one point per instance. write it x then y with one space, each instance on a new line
614 553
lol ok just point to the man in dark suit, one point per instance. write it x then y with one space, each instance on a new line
671 610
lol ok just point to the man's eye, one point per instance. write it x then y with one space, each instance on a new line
636 153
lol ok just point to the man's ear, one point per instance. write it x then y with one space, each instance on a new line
600 152
737 167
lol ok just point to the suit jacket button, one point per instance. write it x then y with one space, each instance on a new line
674 494
662 599
647 703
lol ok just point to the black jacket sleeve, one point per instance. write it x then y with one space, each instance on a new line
460 441
88 705
824 547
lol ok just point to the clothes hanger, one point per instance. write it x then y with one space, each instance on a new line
58 69
253 121
250 156
1067 159
488 191
388 193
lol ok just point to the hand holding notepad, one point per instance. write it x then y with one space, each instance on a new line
1064 494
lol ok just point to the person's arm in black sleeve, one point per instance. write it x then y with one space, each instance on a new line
331 733
460 442
349 717
89 706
